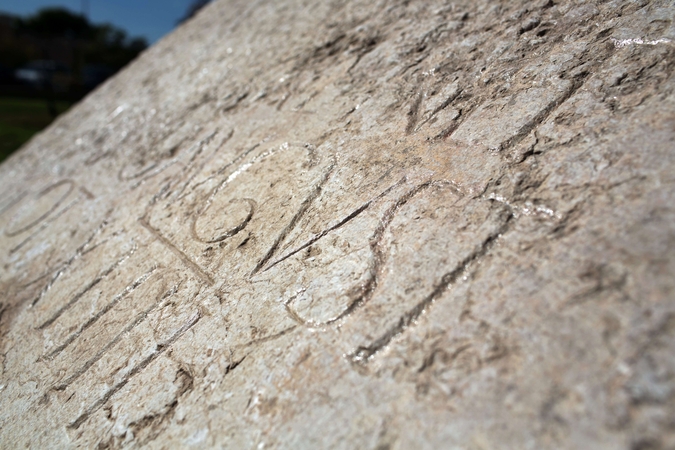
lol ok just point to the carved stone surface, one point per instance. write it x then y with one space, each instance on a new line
363 224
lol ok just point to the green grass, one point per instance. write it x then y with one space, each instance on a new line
20 119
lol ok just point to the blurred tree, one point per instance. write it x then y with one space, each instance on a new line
102 44
193 9
55 57
12 52
111 46
57 22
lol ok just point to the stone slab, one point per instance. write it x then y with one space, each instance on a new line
354 224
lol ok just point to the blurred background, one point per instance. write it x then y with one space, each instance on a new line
52 53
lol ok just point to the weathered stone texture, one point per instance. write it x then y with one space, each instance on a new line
363 224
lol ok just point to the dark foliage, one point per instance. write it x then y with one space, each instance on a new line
57 22
97 43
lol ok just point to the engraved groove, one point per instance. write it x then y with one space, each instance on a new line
338 225
12 202
205 277
316 192
46 214
363 354
160 348
223 169
78 253
100 314
46 223
179 194
156 168
413 114
363 293
464 113
268 338
546 112
231 232
79 295
140 318
440 108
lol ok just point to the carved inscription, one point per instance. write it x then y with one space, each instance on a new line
350 225
213 209
100 306
42 205
95 339
360 271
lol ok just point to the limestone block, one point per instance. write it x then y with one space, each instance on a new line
354 224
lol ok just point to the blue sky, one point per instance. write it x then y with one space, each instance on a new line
151 19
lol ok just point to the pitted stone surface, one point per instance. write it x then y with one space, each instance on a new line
363 224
